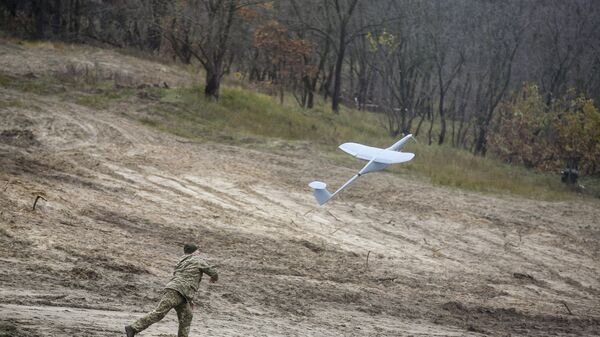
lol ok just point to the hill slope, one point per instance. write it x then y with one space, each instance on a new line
393 257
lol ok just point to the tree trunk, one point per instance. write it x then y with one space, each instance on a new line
326 85
453 136
418 129
337 79
38 9
74 19
308 100
310 103
57 18
463 138
442 134
429 132
281 91
441 111
481 142
213 83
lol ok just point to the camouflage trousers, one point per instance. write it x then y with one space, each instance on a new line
170 299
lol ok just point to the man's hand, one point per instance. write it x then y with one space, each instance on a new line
214 278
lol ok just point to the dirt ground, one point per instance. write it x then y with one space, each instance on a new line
393 257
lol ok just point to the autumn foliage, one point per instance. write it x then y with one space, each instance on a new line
548 137
284 57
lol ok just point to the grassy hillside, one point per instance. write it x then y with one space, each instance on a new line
243 115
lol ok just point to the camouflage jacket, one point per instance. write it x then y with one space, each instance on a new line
188 274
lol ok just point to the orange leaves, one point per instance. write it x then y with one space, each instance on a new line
248 13
286 55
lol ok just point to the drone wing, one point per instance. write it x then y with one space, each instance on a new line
376 154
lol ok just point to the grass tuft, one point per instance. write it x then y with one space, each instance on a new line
444 165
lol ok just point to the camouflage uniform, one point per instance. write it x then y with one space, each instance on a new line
179 294
170 299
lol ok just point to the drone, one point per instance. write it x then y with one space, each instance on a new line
378 159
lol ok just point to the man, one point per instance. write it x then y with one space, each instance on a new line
178 293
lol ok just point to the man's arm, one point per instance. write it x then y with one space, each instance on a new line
212 272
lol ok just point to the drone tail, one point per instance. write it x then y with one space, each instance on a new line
320 191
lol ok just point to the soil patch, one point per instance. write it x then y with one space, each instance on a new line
20 138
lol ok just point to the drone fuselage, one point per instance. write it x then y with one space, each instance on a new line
378 159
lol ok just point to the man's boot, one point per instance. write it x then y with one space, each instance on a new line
129 331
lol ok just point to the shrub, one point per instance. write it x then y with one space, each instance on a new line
537 135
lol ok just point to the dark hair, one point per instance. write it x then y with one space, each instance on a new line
189 248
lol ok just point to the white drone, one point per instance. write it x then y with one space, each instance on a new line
378 159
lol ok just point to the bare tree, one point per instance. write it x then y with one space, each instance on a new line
503 27
568 30
448 59
335 23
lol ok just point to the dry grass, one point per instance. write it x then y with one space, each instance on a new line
241 114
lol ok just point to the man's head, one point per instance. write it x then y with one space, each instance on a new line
189 248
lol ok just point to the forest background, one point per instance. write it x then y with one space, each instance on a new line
518 80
